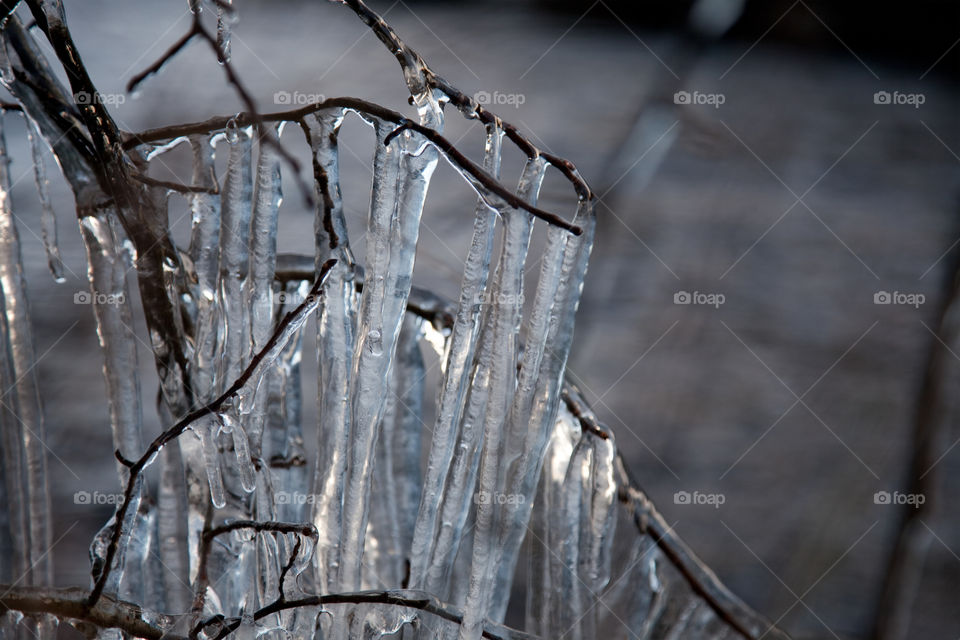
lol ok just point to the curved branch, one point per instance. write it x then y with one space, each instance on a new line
71 604
306 307
418 70
452 154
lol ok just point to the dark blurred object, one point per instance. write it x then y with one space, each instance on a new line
915 34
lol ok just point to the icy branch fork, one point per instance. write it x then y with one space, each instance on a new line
382 546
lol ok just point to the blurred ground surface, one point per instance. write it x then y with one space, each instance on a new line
797 200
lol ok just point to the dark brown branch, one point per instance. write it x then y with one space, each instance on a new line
110 613
155 68
181 426
197 30
453 155
416 68
402 598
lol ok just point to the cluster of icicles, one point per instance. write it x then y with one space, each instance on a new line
504 502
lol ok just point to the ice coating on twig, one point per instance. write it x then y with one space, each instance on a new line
48 219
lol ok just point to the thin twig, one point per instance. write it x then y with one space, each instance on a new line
181 426
453 155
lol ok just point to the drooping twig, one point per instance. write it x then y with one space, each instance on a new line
198 30
417 71
306 307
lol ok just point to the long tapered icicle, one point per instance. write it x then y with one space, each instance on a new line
507 307
48 219
110 299
457 497
532 423
263 258
205 256
234 255
402 171
456 373
542 595
335 336
18 348
396 473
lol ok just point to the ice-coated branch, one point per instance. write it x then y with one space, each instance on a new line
420 77
454 156
220 44
110 613
262 359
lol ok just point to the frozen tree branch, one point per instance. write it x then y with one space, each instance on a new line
110 613
455 157
267 354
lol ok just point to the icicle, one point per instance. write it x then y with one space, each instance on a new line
206 430
263 257
172 533
538 400
48 218
456 374
110 299
18 338
283 447
205 255
335 337
263 244
230 423
459 496
402 172
224 18
506 318
396 472
234 256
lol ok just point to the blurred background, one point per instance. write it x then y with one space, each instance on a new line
779 228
